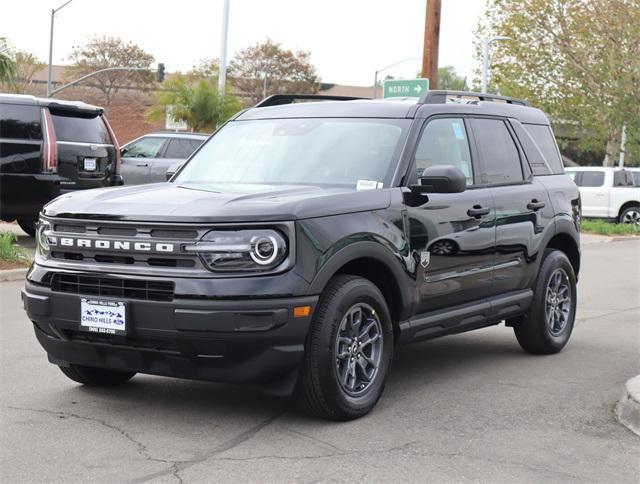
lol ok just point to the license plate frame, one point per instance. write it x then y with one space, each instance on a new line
90 164
103 316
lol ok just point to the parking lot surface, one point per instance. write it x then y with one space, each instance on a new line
463 408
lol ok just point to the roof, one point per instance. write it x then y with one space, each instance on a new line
434 102
49 102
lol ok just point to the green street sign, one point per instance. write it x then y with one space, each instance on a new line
405 87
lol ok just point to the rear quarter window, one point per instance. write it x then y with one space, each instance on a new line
20 122
80 129
546 142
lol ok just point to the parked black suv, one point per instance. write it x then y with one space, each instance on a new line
303 244
49 147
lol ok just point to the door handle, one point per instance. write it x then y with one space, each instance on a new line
477 211
535 205
142 164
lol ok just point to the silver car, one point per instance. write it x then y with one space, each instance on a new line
146 159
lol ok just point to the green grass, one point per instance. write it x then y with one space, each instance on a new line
9 250
607 228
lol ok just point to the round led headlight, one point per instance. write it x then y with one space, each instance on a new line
264 250
42 237
244 250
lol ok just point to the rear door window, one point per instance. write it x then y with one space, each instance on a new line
181 148
636 178
20 122
590 179
543 137
498 152
623 179
80 129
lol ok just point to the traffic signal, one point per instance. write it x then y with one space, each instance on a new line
160 72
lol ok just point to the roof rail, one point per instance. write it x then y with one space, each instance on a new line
279 99
440 97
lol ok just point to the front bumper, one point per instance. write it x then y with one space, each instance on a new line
241 340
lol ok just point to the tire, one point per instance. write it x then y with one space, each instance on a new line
96 377
28 225
630 215
546 327
328 384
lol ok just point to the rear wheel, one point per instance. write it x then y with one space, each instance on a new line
630 215
348 351
28 225
96 377
547 325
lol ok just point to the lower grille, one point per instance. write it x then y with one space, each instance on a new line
112 287
152 344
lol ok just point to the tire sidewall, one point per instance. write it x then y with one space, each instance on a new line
356 291
554 260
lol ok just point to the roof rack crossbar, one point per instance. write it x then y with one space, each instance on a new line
279 99
440 97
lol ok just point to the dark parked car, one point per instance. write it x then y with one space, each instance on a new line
147 159
303 244
49 147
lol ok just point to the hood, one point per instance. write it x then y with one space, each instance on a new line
202 203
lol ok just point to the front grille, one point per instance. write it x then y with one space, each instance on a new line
156 262
111 287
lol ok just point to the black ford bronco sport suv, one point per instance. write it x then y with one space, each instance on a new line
305 242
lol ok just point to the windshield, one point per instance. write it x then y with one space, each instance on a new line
299 151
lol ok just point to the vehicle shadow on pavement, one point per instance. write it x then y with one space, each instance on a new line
415 367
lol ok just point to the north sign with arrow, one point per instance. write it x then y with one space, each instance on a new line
405 87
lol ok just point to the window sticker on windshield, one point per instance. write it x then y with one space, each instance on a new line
457 130
368 185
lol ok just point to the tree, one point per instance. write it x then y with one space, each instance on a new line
26 66
197 102
266 68
7 64
103 52
449 79
579 60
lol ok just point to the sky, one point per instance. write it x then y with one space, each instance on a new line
348 39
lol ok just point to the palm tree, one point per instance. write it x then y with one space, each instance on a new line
197 102
7 64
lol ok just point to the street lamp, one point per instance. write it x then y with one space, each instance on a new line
485 58
53 12
222 75
375 77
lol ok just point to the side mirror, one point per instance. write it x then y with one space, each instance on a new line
441 179
173 169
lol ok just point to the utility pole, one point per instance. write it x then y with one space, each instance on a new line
222 75
431 43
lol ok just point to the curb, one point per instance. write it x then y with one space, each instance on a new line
13 274
628 408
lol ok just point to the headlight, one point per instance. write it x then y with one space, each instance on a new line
42 238
241 250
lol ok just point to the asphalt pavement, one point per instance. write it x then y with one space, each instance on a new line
472 407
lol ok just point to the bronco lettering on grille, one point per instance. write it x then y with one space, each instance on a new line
113 245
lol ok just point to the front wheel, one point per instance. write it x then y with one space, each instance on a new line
96 377
348 351
547 325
